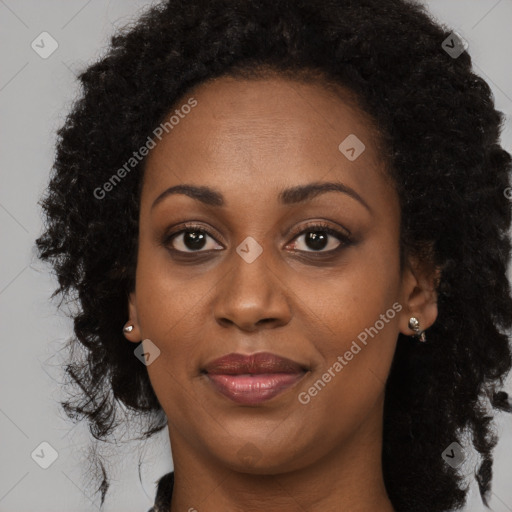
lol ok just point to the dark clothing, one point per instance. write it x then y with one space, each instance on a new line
163 493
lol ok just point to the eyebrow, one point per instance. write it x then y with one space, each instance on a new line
293 195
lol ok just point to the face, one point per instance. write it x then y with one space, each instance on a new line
261 265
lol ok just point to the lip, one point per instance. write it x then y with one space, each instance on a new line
255 378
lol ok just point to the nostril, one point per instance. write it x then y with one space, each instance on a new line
265 320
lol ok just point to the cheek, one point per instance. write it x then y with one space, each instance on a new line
164 292
166 312
352 298
356 317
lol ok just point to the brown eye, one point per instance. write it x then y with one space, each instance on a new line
192 239
318 237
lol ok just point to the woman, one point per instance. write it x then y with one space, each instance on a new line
286 227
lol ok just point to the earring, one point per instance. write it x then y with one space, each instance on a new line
128 328
414 324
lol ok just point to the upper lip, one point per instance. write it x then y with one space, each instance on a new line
261 362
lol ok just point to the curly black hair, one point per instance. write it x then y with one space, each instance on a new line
441 136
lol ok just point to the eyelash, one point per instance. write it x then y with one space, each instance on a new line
345 240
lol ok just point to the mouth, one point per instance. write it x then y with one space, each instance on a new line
252 379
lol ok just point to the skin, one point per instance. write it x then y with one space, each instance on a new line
249 139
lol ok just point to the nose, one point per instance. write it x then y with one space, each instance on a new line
252 296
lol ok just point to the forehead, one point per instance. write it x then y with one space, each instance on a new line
255 137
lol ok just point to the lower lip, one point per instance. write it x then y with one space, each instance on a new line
253 389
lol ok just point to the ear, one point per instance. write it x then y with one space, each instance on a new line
419 295
134 336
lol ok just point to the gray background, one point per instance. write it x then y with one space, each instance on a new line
35 95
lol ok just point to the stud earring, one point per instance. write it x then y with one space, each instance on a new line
414 324
128 328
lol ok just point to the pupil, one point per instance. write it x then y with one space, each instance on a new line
316 240
194 240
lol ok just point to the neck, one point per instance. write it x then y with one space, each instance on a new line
348 478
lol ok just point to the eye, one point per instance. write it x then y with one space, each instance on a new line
191 239
316 237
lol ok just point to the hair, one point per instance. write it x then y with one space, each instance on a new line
440 134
